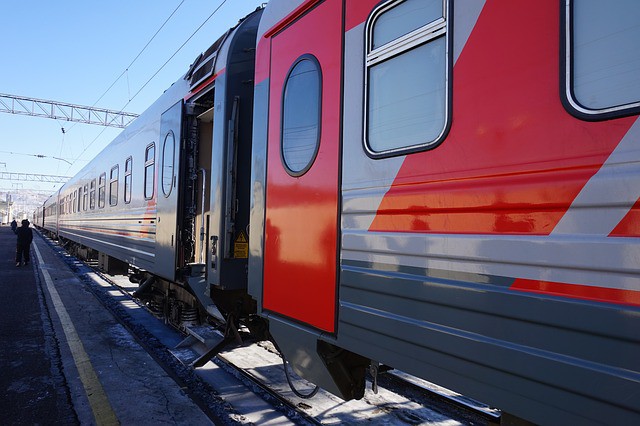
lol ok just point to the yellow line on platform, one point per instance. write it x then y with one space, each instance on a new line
102 410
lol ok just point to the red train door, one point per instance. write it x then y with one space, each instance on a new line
301 229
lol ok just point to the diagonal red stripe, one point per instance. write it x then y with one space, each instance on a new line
514 159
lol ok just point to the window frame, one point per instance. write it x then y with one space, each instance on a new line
569 100
441 27
102 190
149 163
92 195
85 196
113 200
163 166
128 176
312 160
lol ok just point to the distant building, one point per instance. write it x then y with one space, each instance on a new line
5 211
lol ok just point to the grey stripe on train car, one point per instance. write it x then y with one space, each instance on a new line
476 338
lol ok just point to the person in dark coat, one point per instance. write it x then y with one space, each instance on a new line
25 236
14 226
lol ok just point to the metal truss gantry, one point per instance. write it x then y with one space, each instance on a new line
33 177
60 111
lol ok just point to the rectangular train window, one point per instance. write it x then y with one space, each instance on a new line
149 171
128 164
113 185
102 182
85 196
74 204
602 58
406 77
92 195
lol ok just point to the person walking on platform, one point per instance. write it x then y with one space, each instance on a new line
25 236
14 226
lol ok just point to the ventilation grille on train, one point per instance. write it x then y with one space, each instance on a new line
203 67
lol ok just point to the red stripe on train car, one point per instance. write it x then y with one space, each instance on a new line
629 226
204 85
357 12
291 17
263 50
578 291
263 60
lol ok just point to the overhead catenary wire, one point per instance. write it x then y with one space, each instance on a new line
126 70
176 52
156 73
36 155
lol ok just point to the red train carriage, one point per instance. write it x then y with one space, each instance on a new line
483 222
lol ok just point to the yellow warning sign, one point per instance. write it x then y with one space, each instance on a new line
241 246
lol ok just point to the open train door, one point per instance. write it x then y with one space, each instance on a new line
302 194
167 192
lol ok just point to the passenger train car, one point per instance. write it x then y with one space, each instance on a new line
447 188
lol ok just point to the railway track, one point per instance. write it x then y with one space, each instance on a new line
401 399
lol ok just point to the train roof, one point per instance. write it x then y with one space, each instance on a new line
214 59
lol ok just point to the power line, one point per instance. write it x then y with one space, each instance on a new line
176 52
132 62
158 71
37 155
140 53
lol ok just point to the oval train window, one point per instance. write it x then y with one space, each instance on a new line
301 106
168 148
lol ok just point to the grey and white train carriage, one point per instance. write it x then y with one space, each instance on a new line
146 202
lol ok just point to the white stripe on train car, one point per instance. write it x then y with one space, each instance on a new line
609 195
114 245
586 260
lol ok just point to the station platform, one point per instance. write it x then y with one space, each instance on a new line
66 360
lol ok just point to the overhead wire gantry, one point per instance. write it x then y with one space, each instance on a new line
62 111
33 177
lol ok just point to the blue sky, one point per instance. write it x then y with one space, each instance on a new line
71 51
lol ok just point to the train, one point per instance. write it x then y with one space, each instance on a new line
448 188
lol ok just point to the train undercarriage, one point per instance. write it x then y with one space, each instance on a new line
176 303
